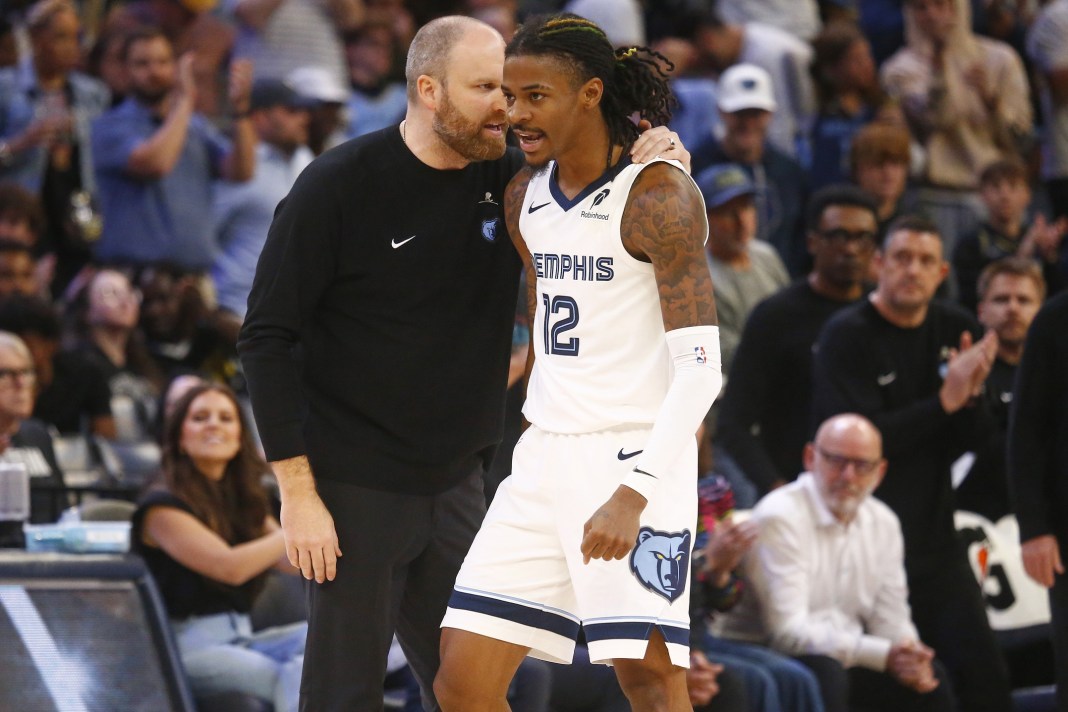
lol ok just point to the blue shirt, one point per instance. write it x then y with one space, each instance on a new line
243 215
18 105
373 112
151 220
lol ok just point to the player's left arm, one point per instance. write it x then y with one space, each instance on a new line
664 223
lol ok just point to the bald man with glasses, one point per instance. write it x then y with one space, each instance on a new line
828 580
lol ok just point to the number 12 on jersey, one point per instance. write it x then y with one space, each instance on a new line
568 311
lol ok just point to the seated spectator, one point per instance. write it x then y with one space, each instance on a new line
105 321
744 270
773 682
1006 194
377 99
18 271
746 105
1011 290
22 218
72 392
849 96
22 438
207 535
179 332
765 412
879 163
22 221
966 100
827 579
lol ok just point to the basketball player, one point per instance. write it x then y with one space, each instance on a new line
595 525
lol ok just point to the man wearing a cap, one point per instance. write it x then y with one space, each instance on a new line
745 271
746 104
243 211
327 98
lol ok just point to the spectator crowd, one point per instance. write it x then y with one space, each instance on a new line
886 186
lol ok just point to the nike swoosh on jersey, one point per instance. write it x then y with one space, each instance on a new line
532 208
886 379
397 243
628 455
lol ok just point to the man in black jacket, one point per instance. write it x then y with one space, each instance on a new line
1038 467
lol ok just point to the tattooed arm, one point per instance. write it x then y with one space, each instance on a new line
664 223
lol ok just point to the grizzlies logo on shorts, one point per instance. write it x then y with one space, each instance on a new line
660 561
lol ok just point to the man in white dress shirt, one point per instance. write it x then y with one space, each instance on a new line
828 580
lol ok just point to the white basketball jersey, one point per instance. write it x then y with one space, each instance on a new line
600 357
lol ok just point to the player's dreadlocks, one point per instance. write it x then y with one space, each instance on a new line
634 79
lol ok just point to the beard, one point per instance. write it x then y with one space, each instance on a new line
465 136
151 95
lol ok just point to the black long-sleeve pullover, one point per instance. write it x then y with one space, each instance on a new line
379 324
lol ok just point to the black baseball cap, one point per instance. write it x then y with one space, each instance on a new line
270 92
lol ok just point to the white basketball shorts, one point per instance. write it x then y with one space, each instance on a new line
524 582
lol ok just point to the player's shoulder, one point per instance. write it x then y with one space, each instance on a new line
660 180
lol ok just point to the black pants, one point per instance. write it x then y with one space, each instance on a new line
859 689
1058 605
949 612
400 556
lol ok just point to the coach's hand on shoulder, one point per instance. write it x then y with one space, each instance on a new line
612 530
658 141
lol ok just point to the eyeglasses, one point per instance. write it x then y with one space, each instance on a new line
841 236
839 462
8 375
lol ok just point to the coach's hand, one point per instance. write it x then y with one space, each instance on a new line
311 540
612 530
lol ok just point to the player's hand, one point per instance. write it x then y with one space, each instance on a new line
701 679
613 529
311 540
658 141
1042 559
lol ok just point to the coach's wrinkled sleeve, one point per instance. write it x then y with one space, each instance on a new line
294 270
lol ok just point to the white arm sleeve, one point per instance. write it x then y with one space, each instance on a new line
698 379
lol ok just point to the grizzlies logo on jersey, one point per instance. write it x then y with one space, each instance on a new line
660 561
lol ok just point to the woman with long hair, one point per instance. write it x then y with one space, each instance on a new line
208 536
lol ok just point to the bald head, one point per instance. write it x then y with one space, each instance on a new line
851 426
432 46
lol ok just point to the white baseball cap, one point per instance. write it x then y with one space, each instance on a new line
745 86
318 83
